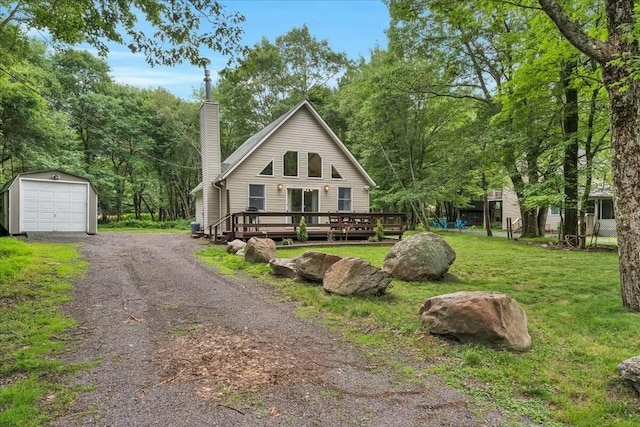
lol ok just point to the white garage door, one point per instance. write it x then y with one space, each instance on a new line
53 206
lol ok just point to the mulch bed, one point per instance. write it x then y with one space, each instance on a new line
222 362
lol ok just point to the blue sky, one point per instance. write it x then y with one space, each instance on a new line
351 26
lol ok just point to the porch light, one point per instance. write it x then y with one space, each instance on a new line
280 187
326 188
366 188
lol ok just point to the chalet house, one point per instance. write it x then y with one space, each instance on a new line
295 164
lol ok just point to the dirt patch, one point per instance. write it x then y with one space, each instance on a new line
221 361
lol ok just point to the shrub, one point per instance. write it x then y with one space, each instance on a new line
180 224
302 230
287 242
379 230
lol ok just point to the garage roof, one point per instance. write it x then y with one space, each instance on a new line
14 179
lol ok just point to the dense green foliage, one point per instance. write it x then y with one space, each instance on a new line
179 29
466 98
33 285
579 331
60 109
138 146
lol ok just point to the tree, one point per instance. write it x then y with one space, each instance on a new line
617 55
81 76
477 45
175 155
33 134
176 34
270 79
404 135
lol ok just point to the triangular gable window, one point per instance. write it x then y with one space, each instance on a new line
268 170
334 173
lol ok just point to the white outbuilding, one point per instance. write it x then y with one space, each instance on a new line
48 201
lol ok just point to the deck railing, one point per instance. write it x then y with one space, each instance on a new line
338 225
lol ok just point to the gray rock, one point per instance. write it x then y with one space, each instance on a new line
355 276
421 257
312 265
235 245
285 267
240 252
260 250
487 318
629 371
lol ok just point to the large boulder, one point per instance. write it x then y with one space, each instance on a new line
355 276
629 370
421 257
312 265
235 245
488 318
285 267
260 250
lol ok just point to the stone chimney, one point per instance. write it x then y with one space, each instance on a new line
210 152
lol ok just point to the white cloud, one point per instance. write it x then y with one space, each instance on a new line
154 77
179 81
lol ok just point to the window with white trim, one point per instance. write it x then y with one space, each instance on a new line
334 173
344 199
290 164
314 165
606 209
257 196
555 210
268 170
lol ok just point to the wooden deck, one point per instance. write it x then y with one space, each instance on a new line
320 225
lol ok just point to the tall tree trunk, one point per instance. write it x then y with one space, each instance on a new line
485 205
529 223
541 221
624 104
590 151
625 165
570 164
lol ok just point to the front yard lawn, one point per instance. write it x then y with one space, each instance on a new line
34 283
572 299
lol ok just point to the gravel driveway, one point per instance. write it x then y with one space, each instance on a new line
176 344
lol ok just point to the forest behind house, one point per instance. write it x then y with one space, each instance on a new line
466 98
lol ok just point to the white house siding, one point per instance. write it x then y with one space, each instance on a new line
210 153
553 221
301 133
199 217
510 207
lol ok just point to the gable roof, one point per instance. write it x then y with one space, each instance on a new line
9 183
255 141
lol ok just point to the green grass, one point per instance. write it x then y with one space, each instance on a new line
135 224
572 299
34 283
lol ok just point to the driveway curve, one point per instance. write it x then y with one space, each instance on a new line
147 306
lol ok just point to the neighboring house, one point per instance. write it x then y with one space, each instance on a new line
473 213
599 211
295 164
50 200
